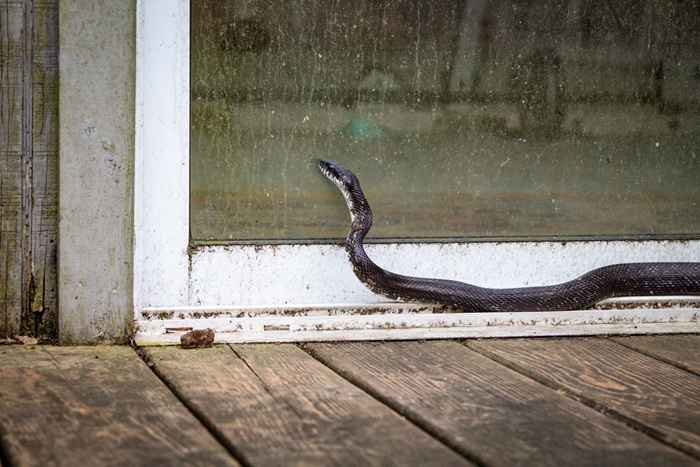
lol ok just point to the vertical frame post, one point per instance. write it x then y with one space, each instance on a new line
161 206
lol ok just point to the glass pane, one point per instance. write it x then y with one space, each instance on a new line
461 119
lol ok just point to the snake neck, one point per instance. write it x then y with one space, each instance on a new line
354 244
366 270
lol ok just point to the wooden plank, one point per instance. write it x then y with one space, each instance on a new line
96 406
488 411
10 258
43 301
682 351
656 397
276 405
11 66
29 154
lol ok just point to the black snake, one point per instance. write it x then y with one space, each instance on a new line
629 279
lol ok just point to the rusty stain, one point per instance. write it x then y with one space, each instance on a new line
276 327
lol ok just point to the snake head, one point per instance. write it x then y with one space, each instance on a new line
349 186
336 173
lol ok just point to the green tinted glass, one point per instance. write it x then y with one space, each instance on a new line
461 119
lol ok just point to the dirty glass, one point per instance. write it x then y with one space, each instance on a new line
535 119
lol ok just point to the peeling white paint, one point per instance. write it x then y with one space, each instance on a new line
307 274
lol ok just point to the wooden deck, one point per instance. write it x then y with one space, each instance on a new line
573 401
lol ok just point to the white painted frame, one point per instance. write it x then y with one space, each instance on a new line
308 292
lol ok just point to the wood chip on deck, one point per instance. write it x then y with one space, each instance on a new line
658 398
276 405
95 406
489 412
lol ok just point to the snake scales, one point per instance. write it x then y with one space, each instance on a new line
629 279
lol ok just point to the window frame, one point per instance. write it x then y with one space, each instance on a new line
308 292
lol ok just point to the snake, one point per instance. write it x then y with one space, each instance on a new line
615 280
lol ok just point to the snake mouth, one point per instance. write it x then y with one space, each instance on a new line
329 169
335 173
344 180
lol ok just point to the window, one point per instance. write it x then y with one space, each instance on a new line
544 125
505 119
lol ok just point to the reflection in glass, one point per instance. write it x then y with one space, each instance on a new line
461 119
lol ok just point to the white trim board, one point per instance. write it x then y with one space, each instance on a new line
400 321
161 188
167 274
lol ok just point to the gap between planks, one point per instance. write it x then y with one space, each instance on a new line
679 350
474 404
63 405
470 456
196 413
376 396
636 426
275 400
679 439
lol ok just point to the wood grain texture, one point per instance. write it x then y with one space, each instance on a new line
10 251
29 164
96 406
654 396
276 405
11 65
680 350
42 302
488 411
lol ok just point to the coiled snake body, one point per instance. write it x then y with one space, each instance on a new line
629 279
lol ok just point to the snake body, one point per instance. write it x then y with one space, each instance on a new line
628 279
